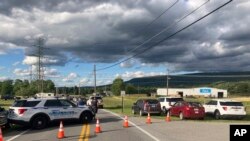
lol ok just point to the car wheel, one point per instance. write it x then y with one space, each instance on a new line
141 113
181 116
217 115
165 111
39 122
86 117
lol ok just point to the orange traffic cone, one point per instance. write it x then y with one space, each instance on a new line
97 127
125 124
1 136
60 133
168 117
148 119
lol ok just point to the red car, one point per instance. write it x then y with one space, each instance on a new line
183 109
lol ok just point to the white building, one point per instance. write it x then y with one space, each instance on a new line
45 95
203 91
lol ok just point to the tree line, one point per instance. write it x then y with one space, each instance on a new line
24 87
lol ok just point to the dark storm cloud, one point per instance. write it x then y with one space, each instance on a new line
105 31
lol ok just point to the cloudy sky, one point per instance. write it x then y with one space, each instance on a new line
80 33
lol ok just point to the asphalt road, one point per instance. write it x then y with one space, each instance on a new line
112 130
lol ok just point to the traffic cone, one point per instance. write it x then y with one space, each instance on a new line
60 133
125 124
168 117
1 136
148 119
97 127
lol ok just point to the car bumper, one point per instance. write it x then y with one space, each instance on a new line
152 112
232 116
19 122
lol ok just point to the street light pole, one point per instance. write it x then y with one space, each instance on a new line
95 78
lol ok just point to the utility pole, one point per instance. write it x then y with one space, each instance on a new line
95 79
167 80
79 89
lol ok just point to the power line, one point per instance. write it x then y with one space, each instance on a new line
165 29
168 27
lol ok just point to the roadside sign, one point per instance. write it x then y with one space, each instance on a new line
123 93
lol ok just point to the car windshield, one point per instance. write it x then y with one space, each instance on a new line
151 101
231 104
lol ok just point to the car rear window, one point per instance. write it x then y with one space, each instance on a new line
174 99
231 104
25 103
195 104
151 101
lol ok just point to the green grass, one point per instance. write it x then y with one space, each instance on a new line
6 103
115 104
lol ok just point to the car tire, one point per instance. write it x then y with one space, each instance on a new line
86 117
141 113
39 122
165 111
217 114
181 116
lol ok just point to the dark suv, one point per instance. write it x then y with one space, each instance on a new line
3 117
143 106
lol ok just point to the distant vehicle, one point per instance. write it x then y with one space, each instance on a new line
166 102
144 106
225 108
6 97
38 113
192 110
3 117
99 101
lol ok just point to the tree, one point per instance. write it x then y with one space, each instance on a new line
117 86
7 88
130 89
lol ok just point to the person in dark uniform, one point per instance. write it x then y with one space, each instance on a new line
94 105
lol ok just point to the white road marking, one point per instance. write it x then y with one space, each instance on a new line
18 135
144 131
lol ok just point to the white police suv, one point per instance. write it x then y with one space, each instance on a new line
225 108
38 113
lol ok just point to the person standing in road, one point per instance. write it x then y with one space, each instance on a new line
94 105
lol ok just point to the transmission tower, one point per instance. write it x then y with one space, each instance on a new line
40 45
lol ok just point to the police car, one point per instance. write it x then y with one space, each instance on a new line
38 113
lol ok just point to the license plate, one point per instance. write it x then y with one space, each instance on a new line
196 111
153 106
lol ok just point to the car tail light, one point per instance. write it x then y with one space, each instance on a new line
187 108
224 108
21 111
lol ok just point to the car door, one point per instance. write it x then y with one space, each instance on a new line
57 110
210 106
69 110
174 109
